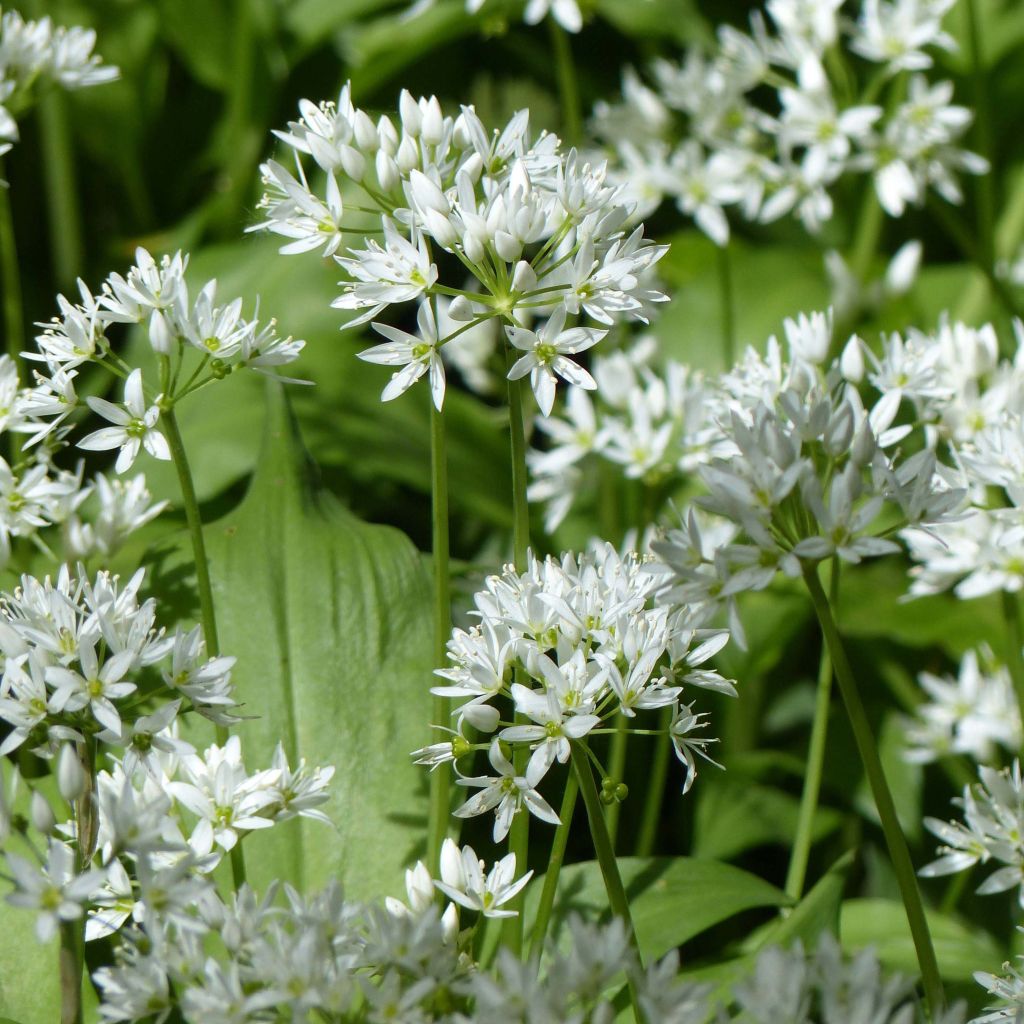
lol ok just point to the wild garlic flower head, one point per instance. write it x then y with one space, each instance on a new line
199 343
755 124
972 714
992 830
539 231
570 644
803 472
1008 989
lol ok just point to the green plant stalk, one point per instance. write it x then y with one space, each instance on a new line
555 861
869 231
797 873
606 857
65 214
10 280
727 298
568 89
519 834
616 767
440 778
655 788
169 423
71 958
963 236
899 854
984 183
1014 640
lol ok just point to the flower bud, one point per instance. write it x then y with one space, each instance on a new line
408 156
440 227
70 774
851 362
432 129
524 278
161 337
409 110
353 162
461 310
481 716
387 170
41 814
364 131
507 246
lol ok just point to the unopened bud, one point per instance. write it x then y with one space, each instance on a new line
41 814
70 774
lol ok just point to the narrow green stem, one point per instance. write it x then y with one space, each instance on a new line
984 185
869 231
616 767
519 835
568 90
10 280
606 857
555 861
520 506
169 423
440 779
727 298
1014 654
655 790
797 872
902 865
65 215
71 958
954 226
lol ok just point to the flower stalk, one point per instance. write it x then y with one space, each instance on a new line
896 842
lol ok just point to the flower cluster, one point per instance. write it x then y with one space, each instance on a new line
806 476
86 672
33 51
197 342
656 426
992 830
537 231
772 122
572 643
973 714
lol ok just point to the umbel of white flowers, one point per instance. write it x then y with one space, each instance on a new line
528 231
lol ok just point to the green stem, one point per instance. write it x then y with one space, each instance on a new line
727 298
65 215
10 280
555 861
869 231
616 767
985 193
962 235
440 779
606 857
1014 641
169 423
71 959
519 834
655 794
797 872
902 865
568 89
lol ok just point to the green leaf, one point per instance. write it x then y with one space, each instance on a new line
818 911
330 620
960 949
201 35
734 815
29 982
870 605
678 20
672 899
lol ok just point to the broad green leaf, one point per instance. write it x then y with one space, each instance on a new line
871 605
770 283
330 620
678 20
671 899
882 924
29 982
734 815
818 911
201 35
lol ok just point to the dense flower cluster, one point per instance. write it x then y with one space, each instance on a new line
538 232
573 644
806 474
772 122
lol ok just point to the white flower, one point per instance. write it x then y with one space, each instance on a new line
416 354
507 793
546 352
462 880
135 426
